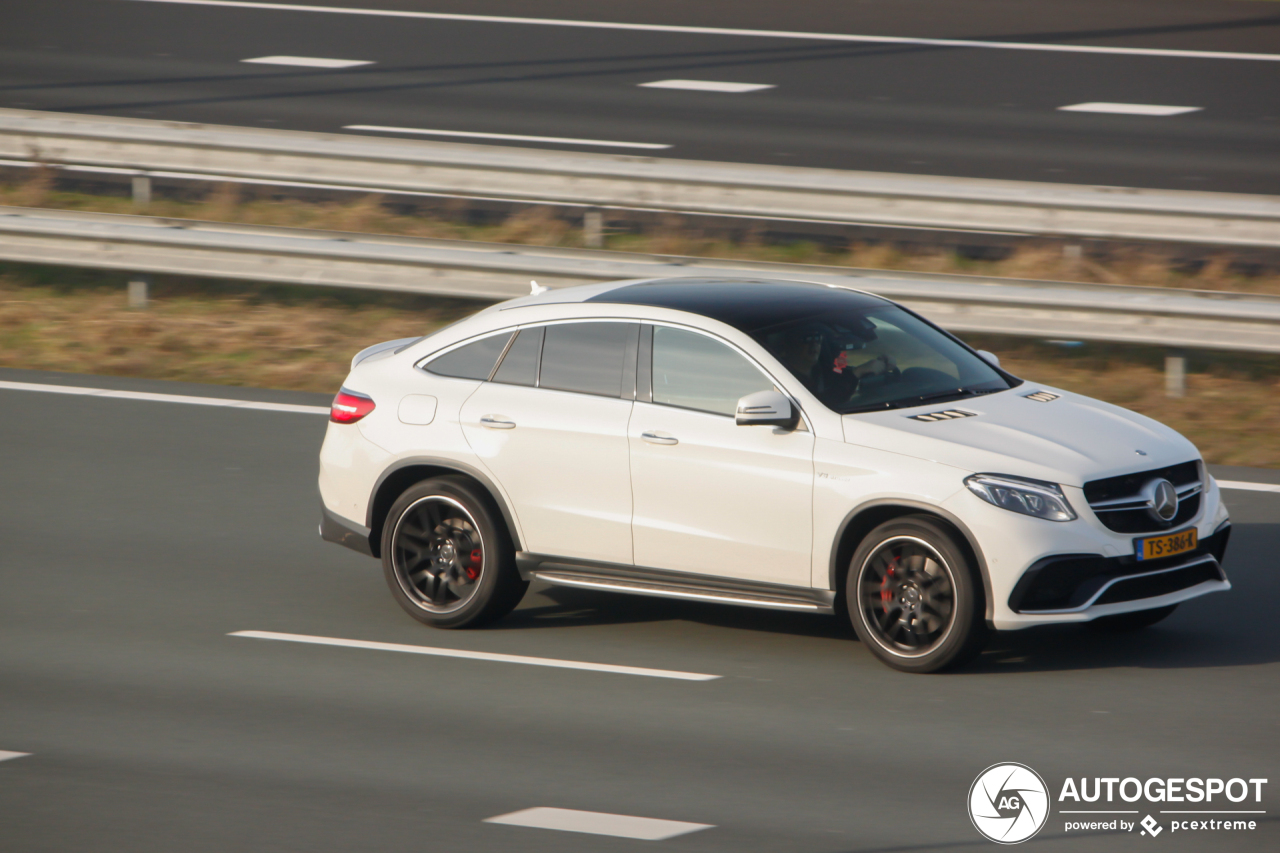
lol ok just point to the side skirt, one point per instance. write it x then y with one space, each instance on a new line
636 580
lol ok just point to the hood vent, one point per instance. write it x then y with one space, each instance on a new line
1042 396
948 415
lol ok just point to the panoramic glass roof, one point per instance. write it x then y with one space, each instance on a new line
749 306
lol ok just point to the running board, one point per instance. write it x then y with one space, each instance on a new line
638 581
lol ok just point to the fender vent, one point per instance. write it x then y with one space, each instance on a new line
948 415
1042 396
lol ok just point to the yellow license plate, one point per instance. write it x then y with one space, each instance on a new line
1166 546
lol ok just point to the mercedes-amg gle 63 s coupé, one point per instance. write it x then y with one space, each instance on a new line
763 443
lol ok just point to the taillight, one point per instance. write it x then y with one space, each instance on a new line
349 407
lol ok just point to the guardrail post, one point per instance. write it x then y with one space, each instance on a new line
138 286
593 228
1175 374
141 190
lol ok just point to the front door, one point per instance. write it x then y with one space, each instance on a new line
712 497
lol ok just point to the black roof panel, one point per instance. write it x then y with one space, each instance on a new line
746 305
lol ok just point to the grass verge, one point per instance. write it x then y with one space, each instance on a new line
303 338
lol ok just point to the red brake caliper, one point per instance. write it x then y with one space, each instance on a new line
473 568
886 594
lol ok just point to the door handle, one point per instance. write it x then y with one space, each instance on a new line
496 422
659 438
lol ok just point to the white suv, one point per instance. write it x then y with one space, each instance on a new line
765 443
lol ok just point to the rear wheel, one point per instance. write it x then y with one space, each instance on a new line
447 556
913 597
1133 621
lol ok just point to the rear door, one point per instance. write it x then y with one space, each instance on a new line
712 497
551 426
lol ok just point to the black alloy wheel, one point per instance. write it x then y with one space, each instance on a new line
907 595
447 556
914 599
438 553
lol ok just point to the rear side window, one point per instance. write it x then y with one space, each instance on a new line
586 357
520 364
473 361
694 371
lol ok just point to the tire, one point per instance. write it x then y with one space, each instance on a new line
1135 621
914 597
447 555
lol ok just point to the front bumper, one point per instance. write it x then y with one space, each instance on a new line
1093 572
1077 583
343 531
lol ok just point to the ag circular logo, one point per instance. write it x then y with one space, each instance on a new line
1008 803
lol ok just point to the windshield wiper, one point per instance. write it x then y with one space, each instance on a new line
907 402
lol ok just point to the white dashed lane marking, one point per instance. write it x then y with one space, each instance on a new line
163 398
512 137
707 86
467 655
5 756
308 61
1128 109
599 823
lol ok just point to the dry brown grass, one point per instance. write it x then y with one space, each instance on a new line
303 339
672 236
219 335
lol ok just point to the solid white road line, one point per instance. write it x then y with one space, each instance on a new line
489 656
321 410
308 61
599 823
724 31
5 756
1128 109
558 140
707 86
162 398
1248 487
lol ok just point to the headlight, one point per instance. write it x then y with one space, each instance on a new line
1029 497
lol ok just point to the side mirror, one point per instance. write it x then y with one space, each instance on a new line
767 408
991 357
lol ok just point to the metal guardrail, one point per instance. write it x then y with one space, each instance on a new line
609 180
1140 315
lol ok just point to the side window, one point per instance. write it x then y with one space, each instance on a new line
693 371
520 364
587 357
473 361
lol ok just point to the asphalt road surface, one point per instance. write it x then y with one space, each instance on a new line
136 536
928 108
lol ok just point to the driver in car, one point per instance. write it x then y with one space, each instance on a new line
820 359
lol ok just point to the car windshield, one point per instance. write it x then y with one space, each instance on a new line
871 358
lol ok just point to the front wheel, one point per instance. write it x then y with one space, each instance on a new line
447 556
914 598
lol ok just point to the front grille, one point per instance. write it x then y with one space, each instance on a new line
1118 502
1069 581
